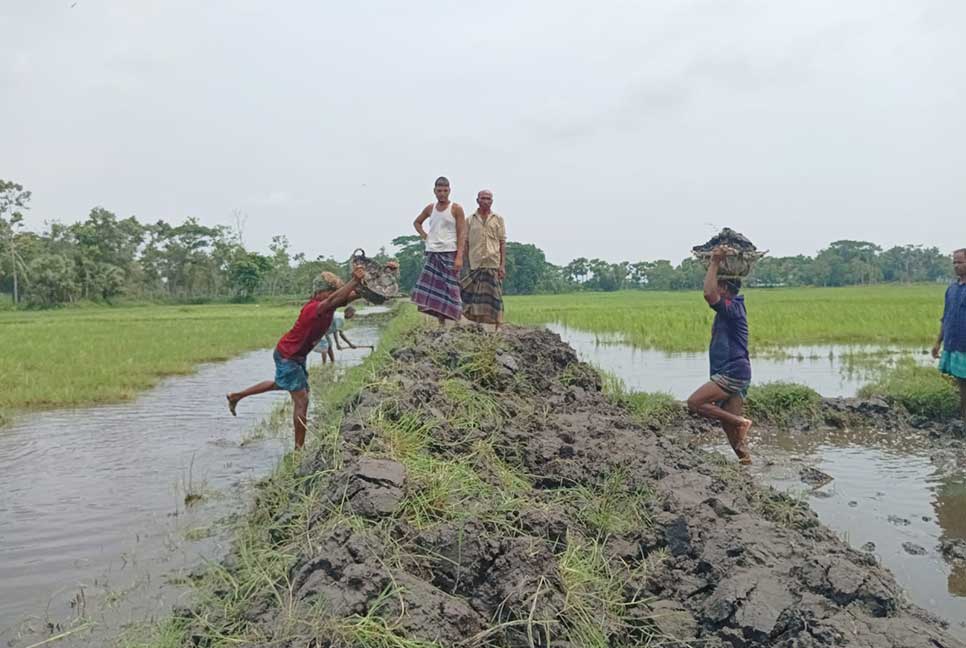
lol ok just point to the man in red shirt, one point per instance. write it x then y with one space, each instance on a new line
290 352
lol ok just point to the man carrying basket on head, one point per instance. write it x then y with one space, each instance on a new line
723 397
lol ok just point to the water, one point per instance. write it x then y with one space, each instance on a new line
887 490
875 474
93 521
831 370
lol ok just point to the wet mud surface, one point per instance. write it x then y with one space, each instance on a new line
485 492
888 488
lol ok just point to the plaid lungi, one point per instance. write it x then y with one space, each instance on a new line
483 296
437 291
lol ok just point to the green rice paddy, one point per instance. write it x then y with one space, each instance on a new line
777 317
91 355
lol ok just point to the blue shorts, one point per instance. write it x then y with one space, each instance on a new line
290 374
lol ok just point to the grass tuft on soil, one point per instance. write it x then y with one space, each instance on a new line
650 408
921 390
782 403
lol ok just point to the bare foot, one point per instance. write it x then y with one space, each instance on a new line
741 442
231 404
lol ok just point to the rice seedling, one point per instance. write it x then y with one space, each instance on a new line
83 356
681 321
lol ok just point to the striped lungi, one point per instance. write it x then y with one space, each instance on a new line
483 296
437 291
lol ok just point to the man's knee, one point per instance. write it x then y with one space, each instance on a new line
694 403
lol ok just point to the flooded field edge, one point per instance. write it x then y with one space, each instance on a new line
146 581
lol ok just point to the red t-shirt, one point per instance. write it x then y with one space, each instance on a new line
306 333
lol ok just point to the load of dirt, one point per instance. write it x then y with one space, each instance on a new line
742 256
381 282
484 491
727 237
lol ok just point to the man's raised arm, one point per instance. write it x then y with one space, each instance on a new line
342 295
711 278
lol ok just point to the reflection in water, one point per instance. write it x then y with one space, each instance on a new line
92 505
886 487
834 370
951 513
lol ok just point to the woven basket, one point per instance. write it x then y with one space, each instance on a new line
380 283
734 266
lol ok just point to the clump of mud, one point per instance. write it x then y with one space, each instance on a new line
485 492
729 237
742 257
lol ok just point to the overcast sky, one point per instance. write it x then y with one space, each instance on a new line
622 130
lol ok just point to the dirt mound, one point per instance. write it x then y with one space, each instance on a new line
486 493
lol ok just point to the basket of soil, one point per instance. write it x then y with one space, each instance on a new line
380 283
742 253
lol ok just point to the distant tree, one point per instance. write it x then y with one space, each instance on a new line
13 199
525 267
689 275
577 270
913 263
409 254
554 280
246 271
52 280
848 262
606 276
280 274
659 275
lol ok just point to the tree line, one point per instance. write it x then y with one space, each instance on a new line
103 258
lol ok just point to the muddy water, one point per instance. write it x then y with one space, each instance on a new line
831 370
898 492
94 529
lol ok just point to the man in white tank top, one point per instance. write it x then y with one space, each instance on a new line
437 290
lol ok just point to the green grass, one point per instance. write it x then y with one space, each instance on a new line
783 402
610 507
681 321
75 357
921 390
649 408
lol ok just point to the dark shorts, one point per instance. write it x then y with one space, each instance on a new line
290 374
731 385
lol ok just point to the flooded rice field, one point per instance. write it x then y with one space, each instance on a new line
95 531
897 495
831 370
